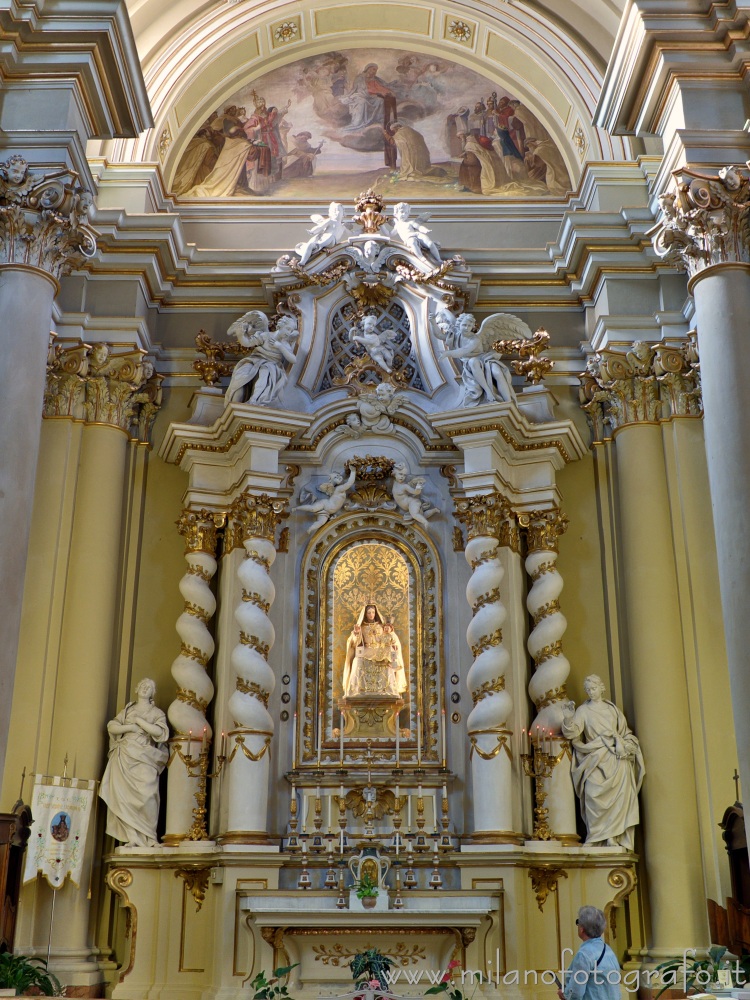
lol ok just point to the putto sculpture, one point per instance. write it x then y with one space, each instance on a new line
408 496
414 234
326 233
335 491
374 411
379 344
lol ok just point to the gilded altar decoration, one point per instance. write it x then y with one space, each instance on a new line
370 212
460 31
645 382
196 879
43 218
544 881
530 363
705 220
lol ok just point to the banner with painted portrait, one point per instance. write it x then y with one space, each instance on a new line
61 808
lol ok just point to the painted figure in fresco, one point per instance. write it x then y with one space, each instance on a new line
301 157
413 152
608 766
368 99
266 154
137 756
413 234
229 166
327 232
374 662
379 344
264 369
408 496
335 491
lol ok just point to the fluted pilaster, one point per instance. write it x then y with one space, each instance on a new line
491 524
255 519
187 713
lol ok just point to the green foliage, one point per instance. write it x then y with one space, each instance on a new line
19 973
447 985
272 989
688 973
369 965
365 887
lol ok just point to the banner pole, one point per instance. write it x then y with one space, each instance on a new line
51 920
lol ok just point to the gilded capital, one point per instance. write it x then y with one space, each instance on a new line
543 528
489 515
642 383
98 384
43 218
200 528
704 220
257 516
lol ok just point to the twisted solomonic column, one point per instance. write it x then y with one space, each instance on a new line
551 667
187 713
255 519
491 524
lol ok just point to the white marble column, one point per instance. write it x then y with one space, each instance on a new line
187 713
551 667
491 524
35 244
704 228
254 519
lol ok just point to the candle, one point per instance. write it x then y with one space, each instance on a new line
190 743
304 845
304 811
223 743
320 735
294 793
419 739
341 741
294 743
408 813
203 741
445 790
398 740
330 798
341 842
444 738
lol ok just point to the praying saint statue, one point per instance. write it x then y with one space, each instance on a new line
263 370
379 344
325 234
137 756
374 663
608 767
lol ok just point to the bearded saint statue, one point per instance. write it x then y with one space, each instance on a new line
374 663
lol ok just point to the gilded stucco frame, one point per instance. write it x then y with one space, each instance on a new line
314 687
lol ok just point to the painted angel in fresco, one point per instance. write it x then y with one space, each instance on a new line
379 344
327 232
264 369
414 234
335 491
485 379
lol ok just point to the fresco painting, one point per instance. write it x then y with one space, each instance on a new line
406 124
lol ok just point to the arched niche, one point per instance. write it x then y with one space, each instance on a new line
357 559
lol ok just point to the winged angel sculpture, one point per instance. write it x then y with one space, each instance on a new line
264 368
484 377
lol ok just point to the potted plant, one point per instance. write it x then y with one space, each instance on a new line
367 891
371 966
19 974
274 988
689 974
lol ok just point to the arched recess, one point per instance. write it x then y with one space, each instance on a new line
214 54
322 638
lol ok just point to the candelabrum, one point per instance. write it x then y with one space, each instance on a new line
398 902
410 879
197 767
436 880
331 881
304 878
539 765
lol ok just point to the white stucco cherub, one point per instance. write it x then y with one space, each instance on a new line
327 232
335 491
374 411
408 496
379 344
414 235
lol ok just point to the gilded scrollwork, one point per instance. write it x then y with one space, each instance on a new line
196 882
544 880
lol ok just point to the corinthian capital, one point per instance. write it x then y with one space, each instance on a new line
43 218
199 528
644 383
705 221
543 528
489 515
99 386
257 516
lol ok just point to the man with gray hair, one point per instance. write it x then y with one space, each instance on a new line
594 973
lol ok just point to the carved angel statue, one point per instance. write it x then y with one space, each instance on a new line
375 410
379 344
335 491
264 369
408 496
371 256
327 232
414 234
485 379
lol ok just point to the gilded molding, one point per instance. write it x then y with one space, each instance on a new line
705 220
487 641
255 643
252 598
545 610
43 218
643 384
118 880
624 880
544 881
489 515
543 528
489 598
